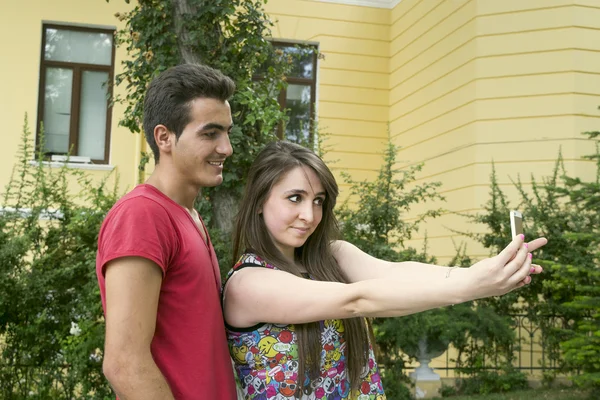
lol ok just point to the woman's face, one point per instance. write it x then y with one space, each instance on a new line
294 209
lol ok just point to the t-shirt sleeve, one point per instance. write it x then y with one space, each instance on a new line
138 227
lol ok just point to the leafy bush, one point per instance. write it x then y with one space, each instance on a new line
581 346
51 324
563 301
375 225
481 331
486 382
448 390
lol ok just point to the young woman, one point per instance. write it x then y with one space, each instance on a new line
296 303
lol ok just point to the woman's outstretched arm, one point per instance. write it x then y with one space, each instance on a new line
255 295
359 266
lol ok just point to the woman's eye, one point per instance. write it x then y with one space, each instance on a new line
294 199
319 201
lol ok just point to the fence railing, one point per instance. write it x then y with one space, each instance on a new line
531 352
530 355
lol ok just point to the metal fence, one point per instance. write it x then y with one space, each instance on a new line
530 356
531 352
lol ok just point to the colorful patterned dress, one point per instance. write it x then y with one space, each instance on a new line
266 359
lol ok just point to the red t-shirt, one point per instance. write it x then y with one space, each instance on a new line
189 344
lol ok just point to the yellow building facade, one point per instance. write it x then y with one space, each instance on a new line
476 82
458 84
22 46
461 84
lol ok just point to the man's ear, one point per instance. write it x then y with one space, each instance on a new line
163 138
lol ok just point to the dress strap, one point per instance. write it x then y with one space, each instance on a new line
251 260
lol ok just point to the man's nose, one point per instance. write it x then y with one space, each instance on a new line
225 146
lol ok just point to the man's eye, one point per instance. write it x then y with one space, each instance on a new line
294 199
211 134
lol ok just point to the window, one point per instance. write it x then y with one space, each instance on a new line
77 65
299 96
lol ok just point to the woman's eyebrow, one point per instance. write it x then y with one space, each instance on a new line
302 191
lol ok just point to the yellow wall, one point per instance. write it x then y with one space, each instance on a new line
462 83
353 78
476 81
21 33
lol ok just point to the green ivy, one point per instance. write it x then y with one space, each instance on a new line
232 36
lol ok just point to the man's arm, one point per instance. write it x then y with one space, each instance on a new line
132 292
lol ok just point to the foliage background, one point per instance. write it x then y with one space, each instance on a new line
231 36
51 324
376 225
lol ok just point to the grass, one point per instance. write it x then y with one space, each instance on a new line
533 394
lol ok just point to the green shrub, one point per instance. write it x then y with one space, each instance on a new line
497 381
51 324
581 346
375 225
448 390
564 300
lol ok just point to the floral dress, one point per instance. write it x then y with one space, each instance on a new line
266 359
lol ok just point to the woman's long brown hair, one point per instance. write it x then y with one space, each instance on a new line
270 166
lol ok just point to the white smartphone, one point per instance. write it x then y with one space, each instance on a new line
516 223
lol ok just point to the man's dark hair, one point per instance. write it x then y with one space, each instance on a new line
169 95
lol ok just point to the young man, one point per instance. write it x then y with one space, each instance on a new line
157 270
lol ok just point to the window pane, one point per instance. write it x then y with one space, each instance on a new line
298 103
78 46
92 114
57 109
302 59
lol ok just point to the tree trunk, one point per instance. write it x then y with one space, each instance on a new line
182 8
225 207
224 202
